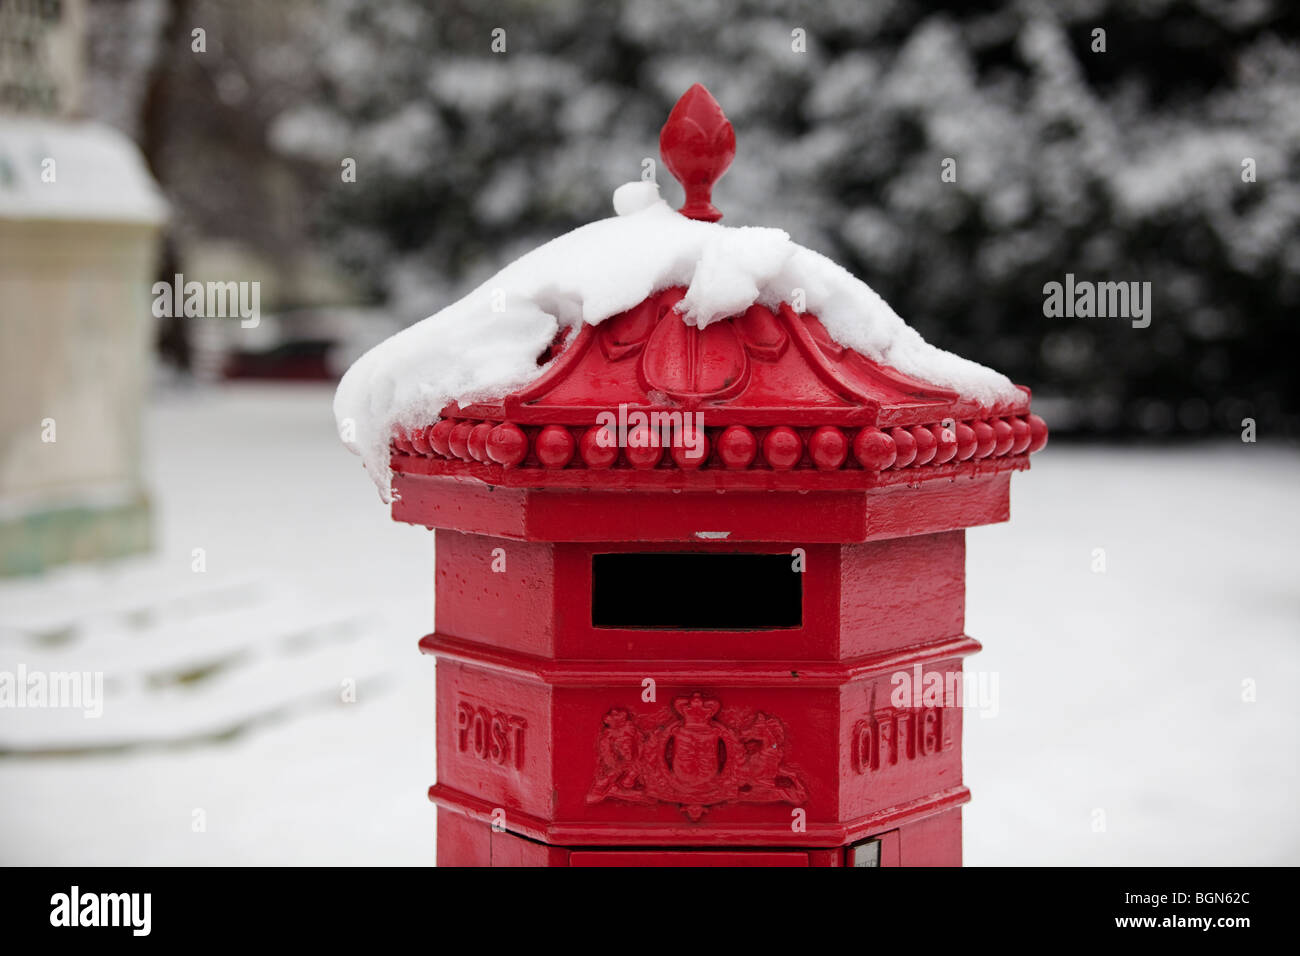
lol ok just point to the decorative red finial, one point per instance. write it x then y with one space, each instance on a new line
698 144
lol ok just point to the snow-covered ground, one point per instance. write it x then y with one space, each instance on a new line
1122 692
1121 736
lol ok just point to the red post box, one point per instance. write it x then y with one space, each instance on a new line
700 585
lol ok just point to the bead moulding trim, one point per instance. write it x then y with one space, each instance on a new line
828 448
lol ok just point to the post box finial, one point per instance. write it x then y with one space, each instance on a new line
698 143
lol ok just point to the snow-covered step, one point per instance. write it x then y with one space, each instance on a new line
142 593
169 656
174 648
273 685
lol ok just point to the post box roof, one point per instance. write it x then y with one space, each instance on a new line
635 328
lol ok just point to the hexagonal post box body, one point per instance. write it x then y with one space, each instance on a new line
723 661
700 581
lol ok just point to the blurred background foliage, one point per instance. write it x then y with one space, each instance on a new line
1117 165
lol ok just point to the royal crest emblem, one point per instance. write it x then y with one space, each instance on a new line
697 755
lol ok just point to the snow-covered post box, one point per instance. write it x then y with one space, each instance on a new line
700 499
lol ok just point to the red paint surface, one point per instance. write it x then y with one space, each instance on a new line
561 743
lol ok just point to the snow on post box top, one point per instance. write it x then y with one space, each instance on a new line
658 348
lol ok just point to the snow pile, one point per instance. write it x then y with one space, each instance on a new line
486 345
